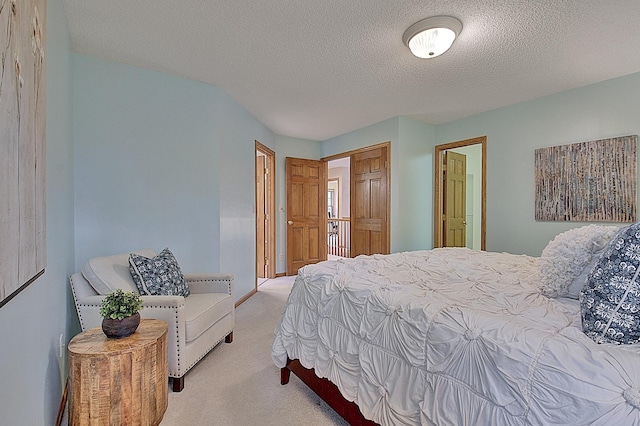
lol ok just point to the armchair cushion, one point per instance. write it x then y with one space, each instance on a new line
106 274
203 311
159 275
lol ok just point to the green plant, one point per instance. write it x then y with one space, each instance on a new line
120 304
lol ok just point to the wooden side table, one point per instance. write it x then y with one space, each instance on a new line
119 381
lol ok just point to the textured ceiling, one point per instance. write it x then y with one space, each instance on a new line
317 69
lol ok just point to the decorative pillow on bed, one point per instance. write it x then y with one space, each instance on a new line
160 275
610 302
569 257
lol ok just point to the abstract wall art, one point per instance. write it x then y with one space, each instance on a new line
22 144
593 181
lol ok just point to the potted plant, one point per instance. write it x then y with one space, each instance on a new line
120 313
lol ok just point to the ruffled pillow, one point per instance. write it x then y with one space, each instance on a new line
568 258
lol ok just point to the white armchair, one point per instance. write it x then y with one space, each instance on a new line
197 323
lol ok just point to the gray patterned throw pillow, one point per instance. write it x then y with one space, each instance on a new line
158 276
610 302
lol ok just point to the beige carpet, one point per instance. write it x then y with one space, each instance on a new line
238 384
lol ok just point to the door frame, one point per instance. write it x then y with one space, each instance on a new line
270 207
438 192
348 154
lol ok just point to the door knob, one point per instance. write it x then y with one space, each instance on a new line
290 222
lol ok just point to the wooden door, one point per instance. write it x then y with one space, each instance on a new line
369 202
261 236
265 212
455 193
439 186
306 182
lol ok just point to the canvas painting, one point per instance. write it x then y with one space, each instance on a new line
587 182
22 144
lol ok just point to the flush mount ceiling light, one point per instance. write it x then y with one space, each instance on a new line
433 36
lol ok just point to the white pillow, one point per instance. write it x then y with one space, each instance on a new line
106 274
568 258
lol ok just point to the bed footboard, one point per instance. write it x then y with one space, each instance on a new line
327 391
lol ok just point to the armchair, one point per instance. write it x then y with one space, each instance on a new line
197 323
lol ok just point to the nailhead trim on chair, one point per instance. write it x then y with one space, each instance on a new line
175 310
178 343
75 297
82 326
214 280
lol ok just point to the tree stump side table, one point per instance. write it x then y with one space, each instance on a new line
119 381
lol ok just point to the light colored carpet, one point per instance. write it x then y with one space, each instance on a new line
238 384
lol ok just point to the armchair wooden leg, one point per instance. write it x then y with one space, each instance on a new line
177 384
229 338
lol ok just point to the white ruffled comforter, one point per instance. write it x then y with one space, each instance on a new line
454 337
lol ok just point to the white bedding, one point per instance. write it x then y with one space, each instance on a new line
454 337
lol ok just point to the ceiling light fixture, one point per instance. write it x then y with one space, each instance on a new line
433 36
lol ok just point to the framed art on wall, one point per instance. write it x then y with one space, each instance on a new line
593 181
22 145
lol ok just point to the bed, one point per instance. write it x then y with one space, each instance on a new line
454 336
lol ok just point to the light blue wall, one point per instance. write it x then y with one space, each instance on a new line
163 161
146 163
33 320
412 184
238 131
411 176
603 110
384 131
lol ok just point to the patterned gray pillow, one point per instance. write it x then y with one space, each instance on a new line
158 276
610 302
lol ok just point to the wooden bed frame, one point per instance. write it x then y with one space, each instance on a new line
327 391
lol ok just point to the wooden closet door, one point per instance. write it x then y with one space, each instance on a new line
369 202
